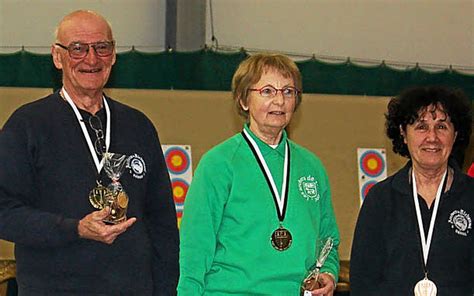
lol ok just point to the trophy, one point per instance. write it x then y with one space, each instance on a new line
311 281
117 199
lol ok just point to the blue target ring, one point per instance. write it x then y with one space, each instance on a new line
366 187
177 160
372 163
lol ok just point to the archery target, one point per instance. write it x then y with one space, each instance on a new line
180 189
372 163
372 169
178 161
366 187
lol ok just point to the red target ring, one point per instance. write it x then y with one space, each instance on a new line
366 188
177 160
470 172
180 190
372 164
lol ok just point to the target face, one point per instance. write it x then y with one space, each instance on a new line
372 163
177 160
367 186
372 169
180 190
179 163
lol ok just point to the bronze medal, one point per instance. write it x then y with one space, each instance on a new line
281 239
98 196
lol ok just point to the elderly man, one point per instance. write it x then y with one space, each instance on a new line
53 176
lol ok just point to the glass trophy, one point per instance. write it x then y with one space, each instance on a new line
117 200
311 281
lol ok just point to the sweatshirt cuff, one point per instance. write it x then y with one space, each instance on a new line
69 229
333 278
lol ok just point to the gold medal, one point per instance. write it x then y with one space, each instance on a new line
122 200
425 287
281 239
98 196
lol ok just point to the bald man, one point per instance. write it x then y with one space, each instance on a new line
54 181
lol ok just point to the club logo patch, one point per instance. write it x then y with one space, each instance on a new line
309 188
137 166
460 221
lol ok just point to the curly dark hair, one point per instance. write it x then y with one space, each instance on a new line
404 110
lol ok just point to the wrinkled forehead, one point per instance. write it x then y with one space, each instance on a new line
84 27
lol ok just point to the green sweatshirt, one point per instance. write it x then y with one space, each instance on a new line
230 215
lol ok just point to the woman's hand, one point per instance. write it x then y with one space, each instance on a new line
328 286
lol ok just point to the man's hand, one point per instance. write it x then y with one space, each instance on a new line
327 286
92 227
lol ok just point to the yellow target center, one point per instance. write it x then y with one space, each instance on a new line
178 191
372 164
176 160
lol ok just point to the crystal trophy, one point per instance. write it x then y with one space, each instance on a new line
117 201
311 281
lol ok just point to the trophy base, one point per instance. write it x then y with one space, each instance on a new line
114 221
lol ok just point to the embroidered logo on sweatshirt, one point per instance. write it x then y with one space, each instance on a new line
309 188
460 221
137 166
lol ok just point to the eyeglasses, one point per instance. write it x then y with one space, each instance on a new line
96 124
269 91
78 50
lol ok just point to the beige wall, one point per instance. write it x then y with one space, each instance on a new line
423 31
140 23
332 126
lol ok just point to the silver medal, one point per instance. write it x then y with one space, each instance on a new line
425 287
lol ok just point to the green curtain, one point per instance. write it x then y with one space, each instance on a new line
209 70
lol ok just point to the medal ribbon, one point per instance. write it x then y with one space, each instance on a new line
279 199
426 243
98 164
